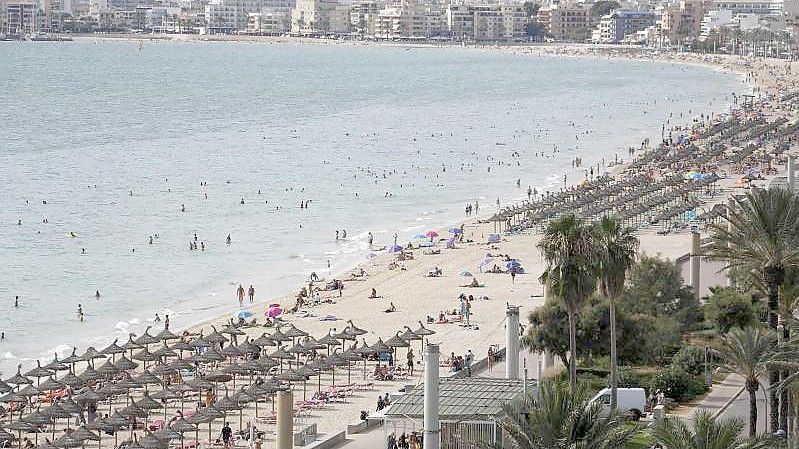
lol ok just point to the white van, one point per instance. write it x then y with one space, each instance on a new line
630 400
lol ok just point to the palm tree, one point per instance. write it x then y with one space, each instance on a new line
760 237
569 248
617 249
748 352
708 433
555 418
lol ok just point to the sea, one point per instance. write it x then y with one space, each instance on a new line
113 156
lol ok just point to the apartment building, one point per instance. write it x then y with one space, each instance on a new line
320 17
566 21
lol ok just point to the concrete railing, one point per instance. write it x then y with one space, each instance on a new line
362 426
328 442
479 366
306 435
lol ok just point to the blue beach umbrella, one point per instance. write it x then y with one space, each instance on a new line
243 314
485 261
455 231
419 236
512 264
395 249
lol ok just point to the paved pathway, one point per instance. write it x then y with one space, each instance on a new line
717 399
739 408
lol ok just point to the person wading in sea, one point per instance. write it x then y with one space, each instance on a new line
240 294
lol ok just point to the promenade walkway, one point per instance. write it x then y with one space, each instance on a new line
717 400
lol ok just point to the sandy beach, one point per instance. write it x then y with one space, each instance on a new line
416 295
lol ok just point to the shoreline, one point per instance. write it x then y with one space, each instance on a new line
546 50
472 221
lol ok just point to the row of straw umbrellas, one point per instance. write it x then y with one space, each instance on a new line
114 390
636 198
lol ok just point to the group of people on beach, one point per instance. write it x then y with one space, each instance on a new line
240 294
411 440
472 208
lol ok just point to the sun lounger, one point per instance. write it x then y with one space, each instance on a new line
156 424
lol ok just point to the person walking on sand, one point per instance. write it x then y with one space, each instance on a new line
240 294
227 435
251 294
410 360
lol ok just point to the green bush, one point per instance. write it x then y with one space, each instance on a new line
726 308
690 359
628 378
678 384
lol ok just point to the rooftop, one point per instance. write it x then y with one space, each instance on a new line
469 397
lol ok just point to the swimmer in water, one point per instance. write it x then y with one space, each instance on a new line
16 302
227 240
97 294
157 318
80 312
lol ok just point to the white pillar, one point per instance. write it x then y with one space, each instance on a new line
432 435
730 208
695 262
790 173
512 343
285 420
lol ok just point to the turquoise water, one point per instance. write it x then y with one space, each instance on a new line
84 124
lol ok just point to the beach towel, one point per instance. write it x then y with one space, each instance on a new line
328 318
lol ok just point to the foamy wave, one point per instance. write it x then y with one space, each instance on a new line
62 350
8 355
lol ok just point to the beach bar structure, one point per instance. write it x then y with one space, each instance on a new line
468 411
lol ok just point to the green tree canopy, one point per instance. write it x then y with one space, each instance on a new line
726 308
603 7
707 433
656 289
